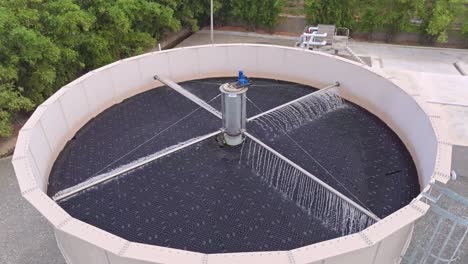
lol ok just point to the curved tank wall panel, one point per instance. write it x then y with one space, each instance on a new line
59 118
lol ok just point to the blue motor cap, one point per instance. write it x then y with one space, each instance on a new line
242 79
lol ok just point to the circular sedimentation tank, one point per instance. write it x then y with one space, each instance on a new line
136 170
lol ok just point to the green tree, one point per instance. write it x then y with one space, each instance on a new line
271 9
124 28
365 15
66 25
11 102
398 15
46 44
193 13
464 30
370 18
438 17
257 13
28 55
337 12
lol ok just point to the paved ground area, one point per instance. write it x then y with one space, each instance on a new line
221 37
25 237
421 59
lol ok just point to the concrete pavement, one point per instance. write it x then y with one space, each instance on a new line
400 57
25 236
411 58
202 37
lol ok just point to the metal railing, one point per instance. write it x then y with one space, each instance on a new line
441 237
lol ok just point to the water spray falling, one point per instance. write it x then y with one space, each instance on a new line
333 211
298 113
139 164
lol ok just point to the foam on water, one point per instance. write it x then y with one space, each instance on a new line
312 197
298 113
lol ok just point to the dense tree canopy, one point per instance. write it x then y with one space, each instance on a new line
256 13
439 15
337 12
11 101
46 43
432 18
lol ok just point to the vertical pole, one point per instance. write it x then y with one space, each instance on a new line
212 37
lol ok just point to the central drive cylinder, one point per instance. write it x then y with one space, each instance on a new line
234 112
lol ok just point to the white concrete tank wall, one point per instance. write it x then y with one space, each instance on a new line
59 118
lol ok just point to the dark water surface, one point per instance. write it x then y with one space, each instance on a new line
201 198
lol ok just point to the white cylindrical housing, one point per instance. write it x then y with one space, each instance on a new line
233 104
